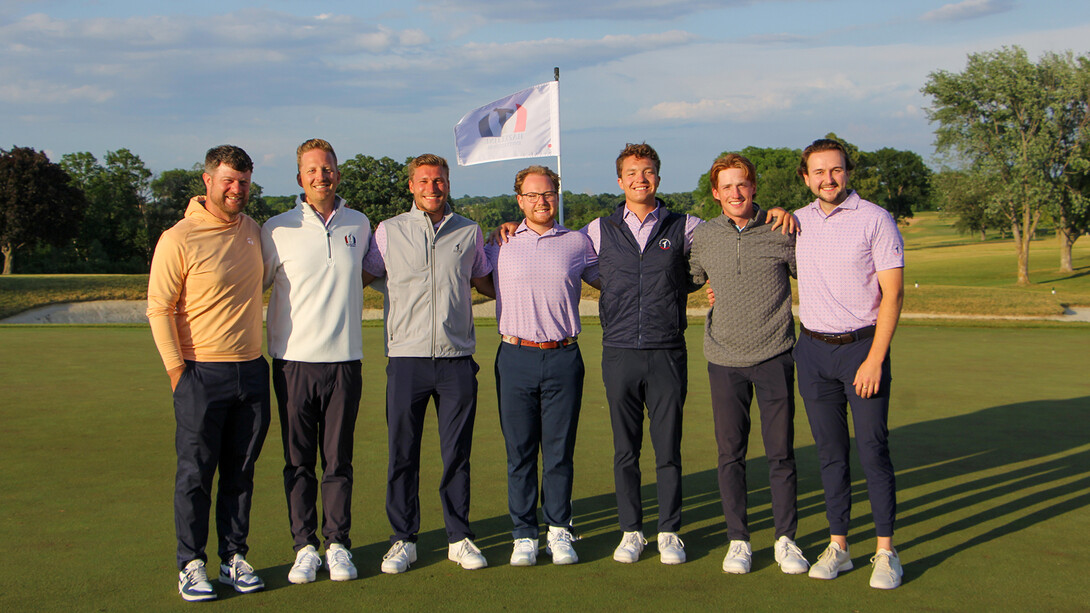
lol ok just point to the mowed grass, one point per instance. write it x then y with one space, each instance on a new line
990 432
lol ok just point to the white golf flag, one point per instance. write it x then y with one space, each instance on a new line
522 125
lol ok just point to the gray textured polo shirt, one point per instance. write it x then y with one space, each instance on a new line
749 272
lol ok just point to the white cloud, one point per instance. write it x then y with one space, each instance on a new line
739 108
968 9
42 92
570 10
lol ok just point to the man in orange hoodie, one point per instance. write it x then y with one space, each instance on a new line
204 306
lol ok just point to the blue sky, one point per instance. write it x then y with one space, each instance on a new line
693 78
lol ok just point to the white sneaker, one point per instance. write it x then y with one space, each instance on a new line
559 546
789 556
240 574
524 553
671 549
306 565
465 554
339 562
193 583
739 558
398 559
630 548
831 562
887 571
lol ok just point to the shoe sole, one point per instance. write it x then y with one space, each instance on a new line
736 571
671 562
241 589
843 568
300 580
471 567
625 560
348 577
196 597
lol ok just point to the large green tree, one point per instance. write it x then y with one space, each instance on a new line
114 235
377 186
894 179
38 202
1024 123
965 196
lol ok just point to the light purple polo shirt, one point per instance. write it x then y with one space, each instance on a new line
838 257
375 260
538 283
640 230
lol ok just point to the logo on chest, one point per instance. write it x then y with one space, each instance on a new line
664 244
350 240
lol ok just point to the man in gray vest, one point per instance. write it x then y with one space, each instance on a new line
429 257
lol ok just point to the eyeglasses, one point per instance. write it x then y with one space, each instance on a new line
533 197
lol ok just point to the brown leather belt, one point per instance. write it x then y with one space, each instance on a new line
840 339
514 340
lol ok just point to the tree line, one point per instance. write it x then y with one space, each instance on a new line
1014 137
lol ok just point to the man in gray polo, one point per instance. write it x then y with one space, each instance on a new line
748 338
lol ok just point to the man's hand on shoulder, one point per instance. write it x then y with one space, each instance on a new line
503 233
786 222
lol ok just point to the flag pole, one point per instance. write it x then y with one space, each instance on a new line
559 189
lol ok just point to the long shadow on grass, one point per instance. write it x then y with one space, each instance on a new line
980 477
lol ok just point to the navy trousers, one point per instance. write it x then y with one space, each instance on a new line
222 415
657 378
540 392
318 404
410 383
826 373
732 391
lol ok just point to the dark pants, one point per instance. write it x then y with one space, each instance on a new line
318 403
222 415
540 392
410 383
732 391
657 378
826 373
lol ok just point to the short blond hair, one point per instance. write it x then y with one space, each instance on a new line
536 170
428 159
311 145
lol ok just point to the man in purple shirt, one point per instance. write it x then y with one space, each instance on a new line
850 259
539 369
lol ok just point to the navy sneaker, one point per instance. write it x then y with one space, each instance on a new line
239 573
193 583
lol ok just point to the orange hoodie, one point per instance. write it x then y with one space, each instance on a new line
204 293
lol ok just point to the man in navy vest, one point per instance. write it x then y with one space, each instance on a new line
643 259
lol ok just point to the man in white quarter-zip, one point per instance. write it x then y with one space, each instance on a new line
314 262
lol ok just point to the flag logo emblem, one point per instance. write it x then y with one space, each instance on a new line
496 122
525 124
